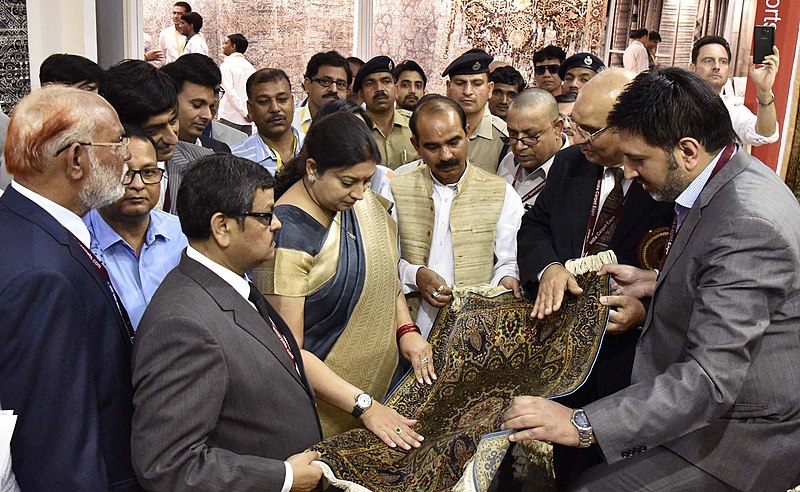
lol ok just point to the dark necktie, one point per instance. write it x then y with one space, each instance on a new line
257 298
608 213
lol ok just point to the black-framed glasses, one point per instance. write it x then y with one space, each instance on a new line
263 217
540 69
150 175
123 143
530 141
327 82
583 132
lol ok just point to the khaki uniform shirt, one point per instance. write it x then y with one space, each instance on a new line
396 148
485 144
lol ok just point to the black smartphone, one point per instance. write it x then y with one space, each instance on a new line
763 41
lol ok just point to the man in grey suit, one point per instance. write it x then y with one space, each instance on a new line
713 403
221 398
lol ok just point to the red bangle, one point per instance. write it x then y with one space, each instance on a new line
407 328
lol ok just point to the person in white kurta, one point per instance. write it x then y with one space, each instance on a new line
235 70
636 58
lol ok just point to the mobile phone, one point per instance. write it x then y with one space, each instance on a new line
763 41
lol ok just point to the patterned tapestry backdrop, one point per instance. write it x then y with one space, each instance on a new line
284 33
15 79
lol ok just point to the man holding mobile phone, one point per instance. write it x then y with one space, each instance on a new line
711 56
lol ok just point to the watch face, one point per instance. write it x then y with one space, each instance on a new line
364 400
580 419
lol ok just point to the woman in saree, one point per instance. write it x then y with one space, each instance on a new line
334 281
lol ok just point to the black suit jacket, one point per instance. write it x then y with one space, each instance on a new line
64 358
218 402
214 144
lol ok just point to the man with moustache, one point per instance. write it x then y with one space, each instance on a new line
411 83
221 397
508 83
65 342
270 106
577 70
587 206
145 96
449 208
534 137
711 56
375 84
545 68
713 404
327 78
137 244
469 85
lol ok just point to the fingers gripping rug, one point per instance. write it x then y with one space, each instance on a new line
487 350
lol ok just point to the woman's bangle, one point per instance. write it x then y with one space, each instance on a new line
407 328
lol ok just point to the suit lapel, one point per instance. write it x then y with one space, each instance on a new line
286 332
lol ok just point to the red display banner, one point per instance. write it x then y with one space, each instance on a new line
785 16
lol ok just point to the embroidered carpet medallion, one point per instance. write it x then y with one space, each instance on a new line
487 350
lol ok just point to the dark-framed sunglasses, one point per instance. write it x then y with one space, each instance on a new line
539 70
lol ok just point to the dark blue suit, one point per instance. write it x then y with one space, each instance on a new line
64 358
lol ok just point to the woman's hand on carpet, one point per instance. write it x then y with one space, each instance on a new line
418 352
391 427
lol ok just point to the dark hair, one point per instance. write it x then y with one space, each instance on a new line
475 50
342 106
330 59
566 97
663 107
195 68
218 183
509 76
239 42
265 75
336 141
136 132
551 52
355 61
184 5
63 68
639 33
706 40
137 91
654 36
435 103
193 18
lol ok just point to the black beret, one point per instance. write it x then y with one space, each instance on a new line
409 66
375 65
581 60
469 63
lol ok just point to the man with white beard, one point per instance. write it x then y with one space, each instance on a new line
65 339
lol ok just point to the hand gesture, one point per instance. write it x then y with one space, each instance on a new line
433 288
625 313
537 418
391 427
512 284
306 475
764 77
627 280
555 281
418 352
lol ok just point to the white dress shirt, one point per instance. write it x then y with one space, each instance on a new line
744 124
525 181
171 43
636 58
235 70
440 259
242 286
196 44
67 218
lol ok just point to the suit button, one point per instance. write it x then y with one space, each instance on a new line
625 455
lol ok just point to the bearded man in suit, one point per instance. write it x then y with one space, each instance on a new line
221 398
713 402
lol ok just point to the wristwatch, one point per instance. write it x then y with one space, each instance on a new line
585 432
363 402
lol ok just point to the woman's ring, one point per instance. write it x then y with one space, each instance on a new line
398 430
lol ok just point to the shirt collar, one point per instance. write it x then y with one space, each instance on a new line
239 284
105 236
65 217
484 128
692 192
455 185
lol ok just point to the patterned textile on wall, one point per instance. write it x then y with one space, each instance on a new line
433 33
15 78
485 353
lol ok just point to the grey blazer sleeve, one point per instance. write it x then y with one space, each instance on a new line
180 379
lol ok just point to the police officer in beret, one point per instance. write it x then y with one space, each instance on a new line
375 83
577 70
469 85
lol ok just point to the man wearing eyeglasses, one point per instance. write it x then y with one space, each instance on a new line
327 78
534 137
585 208
545 68
136 243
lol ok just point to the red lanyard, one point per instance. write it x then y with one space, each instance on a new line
536 189
726 156
594 230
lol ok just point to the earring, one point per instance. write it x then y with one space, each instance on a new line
311 178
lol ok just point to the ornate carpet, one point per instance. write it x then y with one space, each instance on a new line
485 353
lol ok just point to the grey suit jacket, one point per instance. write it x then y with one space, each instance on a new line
184 158
218 405
717 366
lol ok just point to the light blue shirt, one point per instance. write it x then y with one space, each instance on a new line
685 201
136 279
256 150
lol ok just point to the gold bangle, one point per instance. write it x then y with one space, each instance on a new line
765 104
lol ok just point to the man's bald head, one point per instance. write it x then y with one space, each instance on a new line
534 128
597 98
537 100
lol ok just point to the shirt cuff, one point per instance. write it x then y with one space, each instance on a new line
539 275
408 276
288 481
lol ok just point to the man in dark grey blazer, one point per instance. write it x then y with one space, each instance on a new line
713 403
221 398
